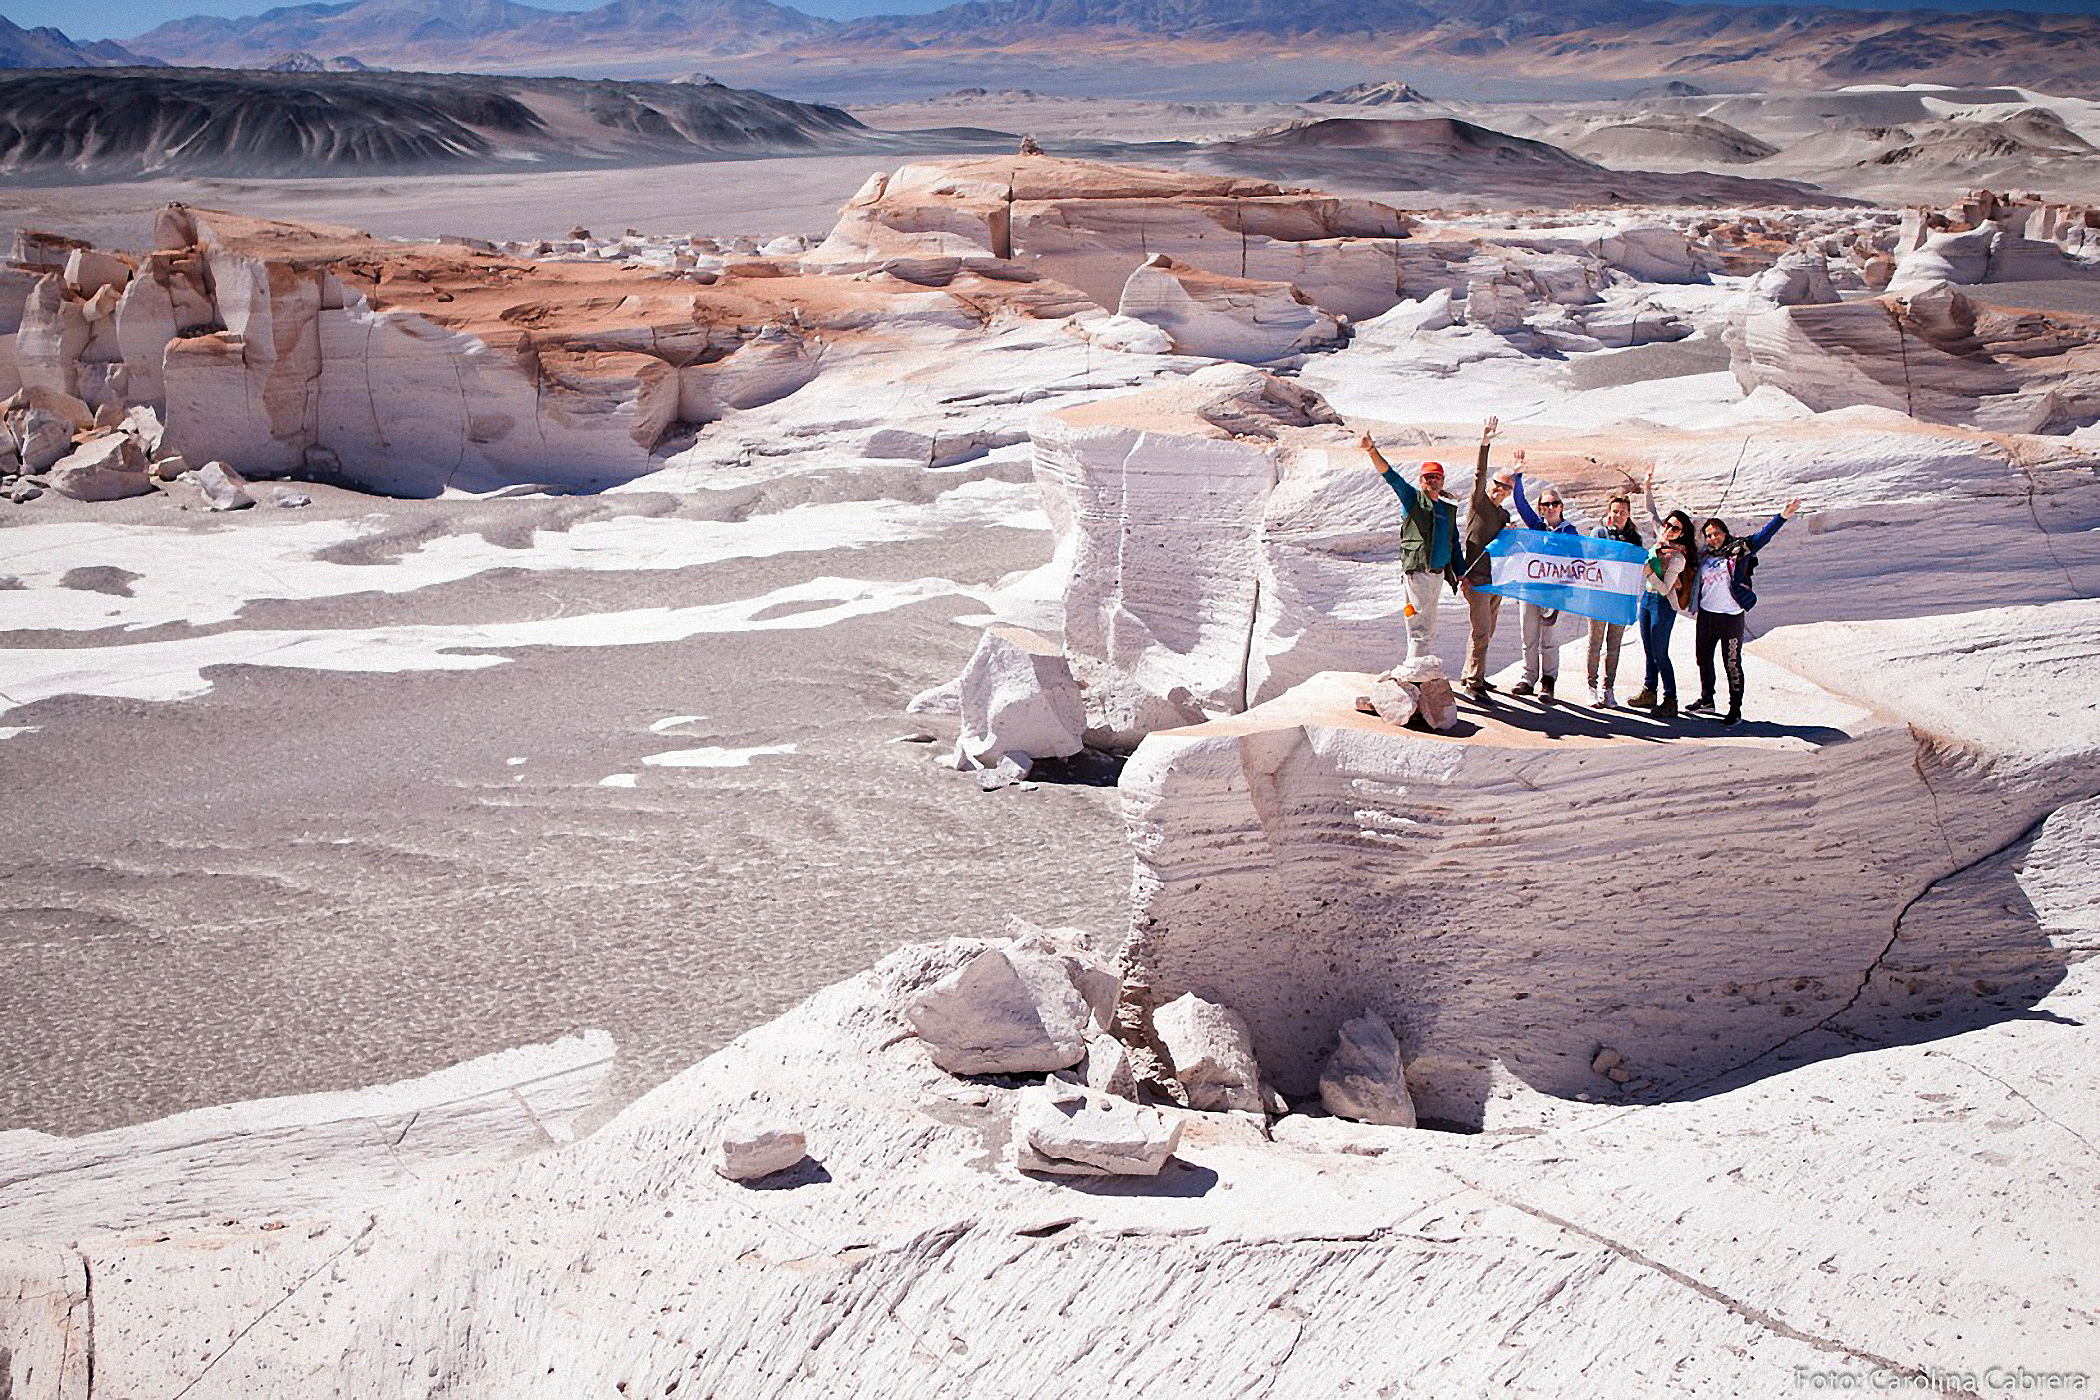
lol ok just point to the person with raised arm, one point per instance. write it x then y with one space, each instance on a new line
1725 599
1428 542
1541 655
1486 515
1605 637
1668 584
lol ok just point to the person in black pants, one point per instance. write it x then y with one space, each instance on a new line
1724 599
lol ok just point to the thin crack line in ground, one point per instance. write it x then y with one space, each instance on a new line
1757 1317
1867 976
2040 1112
371 1224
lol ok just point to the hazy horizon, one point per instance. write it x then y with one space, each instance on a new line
108 19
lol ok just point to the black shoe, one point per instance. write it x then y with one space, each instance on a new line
1477 687
1545 690
1521 688
1734 715
1704 705
1645 699
1666 708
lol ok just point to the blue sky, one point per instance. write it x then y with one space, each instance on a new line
121 19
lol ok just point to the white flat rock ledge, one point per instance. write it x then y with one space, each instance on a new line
300 1154
1515 895
1813 717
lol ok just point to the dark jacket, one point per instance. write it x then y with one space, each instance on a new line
1741 555
1484 521
1429 538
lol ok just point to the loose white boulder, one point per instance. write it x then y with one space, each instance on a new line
757 1145
1017 695
1395 700
1006 1011
1065 1130
107 468
1365 1079
223 487
1211 1052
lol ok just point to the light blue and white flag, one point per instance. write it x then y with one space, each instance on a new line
1582 574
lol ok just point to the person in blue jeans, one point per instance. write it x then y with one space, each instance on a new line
1666 590
1541 656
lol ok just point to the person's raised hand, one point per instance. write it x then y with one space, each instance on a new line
1517 459
1487 429
1791 506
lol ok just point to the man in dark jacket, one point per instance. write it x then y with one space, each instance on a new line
1485 518
1428 542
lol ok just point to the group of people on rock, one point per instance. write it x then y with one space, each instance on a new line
1704 574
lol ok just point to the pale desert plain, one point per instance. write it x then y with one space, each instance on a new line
789 771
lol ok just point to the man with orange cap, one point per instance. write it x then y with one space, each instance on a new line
1428 542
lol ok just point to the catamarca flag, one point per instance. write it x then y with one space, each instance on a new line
1580 574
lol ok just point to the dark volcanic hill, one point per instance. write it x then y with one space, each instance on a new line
112 124
1445 154
486 34
48 48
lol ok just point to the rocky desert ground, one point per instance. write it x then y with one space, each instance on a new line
769 766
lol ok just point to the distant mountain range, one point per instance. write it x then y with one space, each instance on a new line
1588 40
47 48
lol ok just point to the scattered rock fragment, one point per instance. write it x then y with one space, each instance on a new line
1017 697
1211 1053
1394 701
1006 1011
107 468
1606 1060
754 1145
285 498
1070 1131
1365 1079
223 487
1435 703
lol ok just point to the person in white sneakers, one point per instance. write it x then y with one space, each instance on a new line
1541 654
1428 543
1605 637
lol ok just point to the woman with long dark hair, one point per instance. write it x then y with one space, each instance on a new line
1725 598
1667 585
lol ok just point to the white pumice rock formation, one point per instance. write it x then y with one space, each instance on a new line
1226 318
1065 1130
108 467
1089 225
1017 695
1224 539
1935 354
1394 700
1385 868
1615 1241
1005 1011
1364 1079
1210 1054
223 487
1801 277
755 1145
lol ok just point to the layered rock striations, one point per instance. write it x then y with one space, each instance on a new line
1511 905
1089 225
309 350
1223 539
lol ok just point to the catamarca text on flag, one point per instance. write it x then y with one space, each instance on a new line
1580 574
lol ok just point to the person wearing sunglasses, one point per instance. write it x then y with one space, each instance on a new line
1668 582
1541 655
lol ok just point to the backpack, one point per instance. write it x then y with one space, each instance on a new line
1739 571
